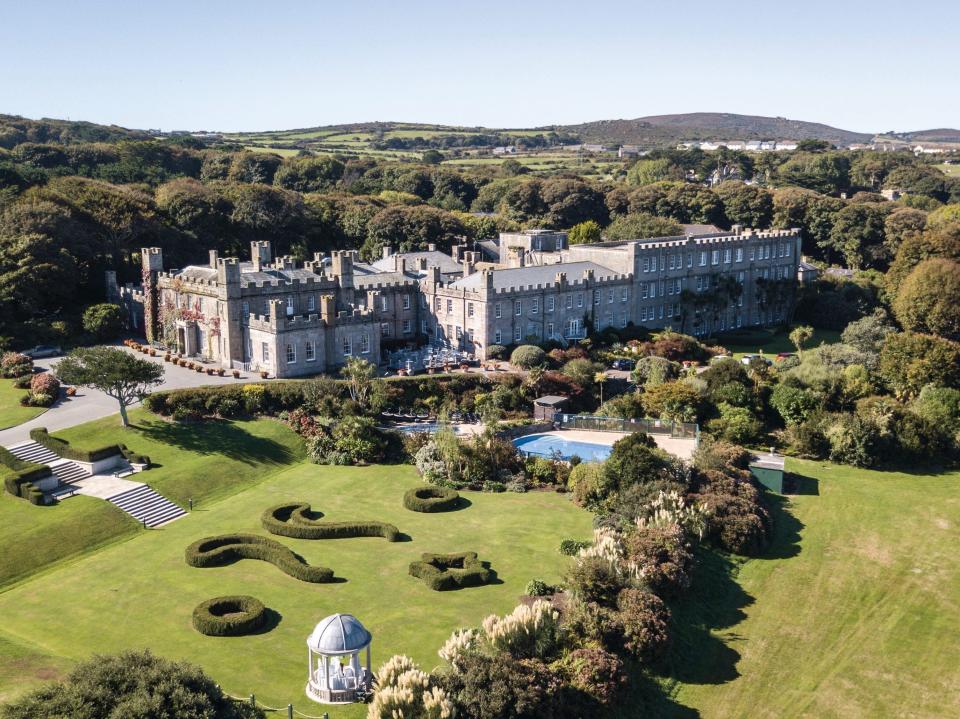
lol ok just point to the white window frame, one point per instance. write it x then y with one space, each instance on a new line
291 353
551 303
518 308
407 327
364 344
347 347
535 306
498 337
264 352
310 351
497 311
406 302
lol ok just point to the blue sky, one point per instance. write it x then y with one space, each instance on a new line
866 66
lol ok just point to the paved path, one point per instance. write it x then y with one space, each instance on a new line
90 404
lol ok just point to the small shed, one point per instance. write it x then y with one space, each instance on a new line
767 469
548 407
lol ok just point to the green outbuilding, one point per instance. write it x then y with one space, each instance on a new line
767 469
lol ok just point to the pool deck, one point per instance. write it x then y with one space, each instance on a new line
678 447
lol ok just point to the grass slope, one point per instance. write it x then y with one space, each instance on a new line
853 614
771 343
204 461
141 593
11 412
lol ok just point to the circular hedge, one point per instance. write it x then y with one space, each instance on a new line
229 616
527 356
431 499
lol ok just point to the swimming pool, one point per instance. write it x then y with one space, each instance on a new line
550 445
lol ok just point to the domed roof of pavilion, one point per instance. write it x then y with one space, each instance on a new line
339 634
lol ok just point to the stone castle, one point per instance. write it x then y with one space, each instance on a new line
272 315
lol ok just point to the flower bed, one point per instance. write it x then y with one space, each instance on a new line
297 521
231 616
431 499
442 572
229 548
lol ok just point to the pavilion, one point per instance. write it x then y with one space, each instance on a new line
333 654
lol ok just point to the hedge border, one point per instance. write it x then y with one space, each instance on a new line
473 574
252 616
134 457
226 549
62 448
294 519
431 499
18 476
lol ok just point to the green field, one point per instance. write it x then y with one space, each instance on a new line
952 170
853 614
11 412
140 593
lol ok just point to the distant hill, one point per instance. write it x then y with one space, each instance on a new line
943 134
15 129
664 129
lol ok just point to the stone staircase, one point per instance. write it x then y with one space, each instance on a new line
147 506
67 471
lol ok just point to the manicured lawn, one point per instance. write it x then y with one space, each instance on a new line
141 593
34 538
11 412
772 343
204 461
854 614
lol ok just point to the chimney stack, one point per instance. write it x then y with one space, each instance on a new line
213 259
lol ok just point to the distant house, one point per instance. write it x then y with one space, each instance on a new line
807 273
505 150
840 272
785 146
891 194
927 150
735 145
594 148
629 151
701 230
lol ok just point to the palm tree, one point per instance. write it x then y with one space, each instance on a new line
600 378
800 335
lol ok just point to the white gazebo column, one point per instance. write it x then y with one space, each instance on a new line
326 671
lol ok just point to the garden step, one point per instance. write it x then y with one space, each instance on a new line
147 506
33 452
69 472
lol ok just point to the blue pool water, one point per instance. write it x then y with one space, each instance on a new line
548 445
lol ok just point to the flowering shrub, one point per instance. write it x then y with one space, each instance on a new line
645 621
662 557
45 383
595 672
670 508
14 364
460 643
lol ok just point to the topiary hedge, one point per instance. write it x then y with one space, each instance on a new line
431 499
19 475
443 572
133 457
62 448
229 548
296 520
230 616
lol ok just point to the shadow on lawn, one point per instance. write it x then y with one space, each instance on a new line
213 437
785 542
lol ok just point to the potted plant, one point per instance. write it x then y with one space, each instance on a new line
166 357
236 374
264 374
210 371
220 372
200 369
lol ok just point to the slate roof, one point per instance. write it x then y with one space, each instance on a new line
434 258
535 275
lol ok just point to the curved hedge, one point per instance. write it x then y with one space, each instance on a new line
295 520
442 572
62 448
229 548
229 616
431 499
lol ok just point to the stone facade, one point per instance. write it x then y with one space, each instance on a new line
272 315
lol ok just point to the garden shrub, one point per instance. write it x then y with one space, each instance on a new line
663 557
646 623
737 519
431 499
63 449
298 521
527 356
595 672
501 687
539 588
229 548
45 383
442 572
571 547
231 616
14 364
496 352
594 580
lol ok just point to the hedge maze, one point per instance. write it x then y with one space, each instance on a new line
443 572
230 616
431 499
229 548
296 520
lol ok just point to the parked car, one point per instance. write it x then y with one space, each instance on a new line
43 351
622 364
747 359
784 355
